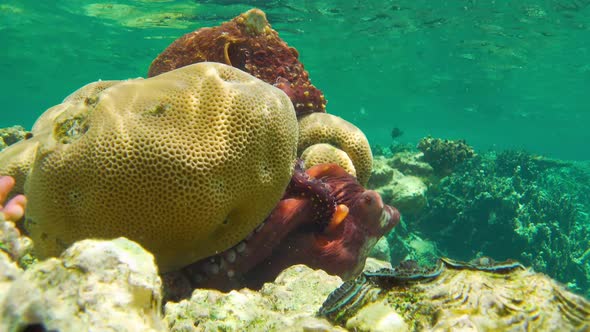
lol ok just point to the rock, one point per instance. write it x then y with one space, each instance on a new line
381 174
12 242
94 285
287 304
9 271
374 264
377 317
381 250
13 247
411 163
406 192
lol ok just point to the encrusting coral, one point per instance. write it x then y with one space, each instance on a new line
247 42
186 163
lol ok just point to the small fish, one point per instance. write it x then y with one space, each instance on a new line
396 132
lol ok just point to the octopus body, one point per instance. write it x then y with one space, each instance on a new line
325 220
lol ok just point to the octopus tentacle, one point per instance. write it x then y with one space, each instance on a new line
304 185
325 219
306 204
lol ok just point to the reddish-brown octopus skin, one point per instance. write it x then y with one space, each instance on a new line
249 43
293 234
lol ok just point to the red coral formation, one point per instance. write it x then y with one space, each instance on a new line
249 43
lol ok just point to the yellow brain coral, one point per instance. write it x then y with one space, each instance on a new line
326 128
186 163
325 153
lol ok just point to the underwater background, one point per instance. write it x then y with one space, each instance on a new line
499 74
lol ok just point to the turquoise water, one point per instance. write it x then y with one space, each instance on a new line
500 74
509 77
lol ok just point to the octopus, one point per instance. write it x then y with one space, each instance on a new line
325 220
248 43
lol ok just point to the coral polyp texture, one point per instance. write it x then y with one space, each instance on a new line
326 128
247 42
322 153
186 163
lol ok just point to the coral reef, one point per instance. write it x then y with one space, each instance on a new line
186 163
444 155
325 220
393 149
482 295
534 204
248 43
113 285
94 285
326 128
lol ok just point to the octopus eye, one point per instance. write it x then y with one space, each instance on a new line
368 200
